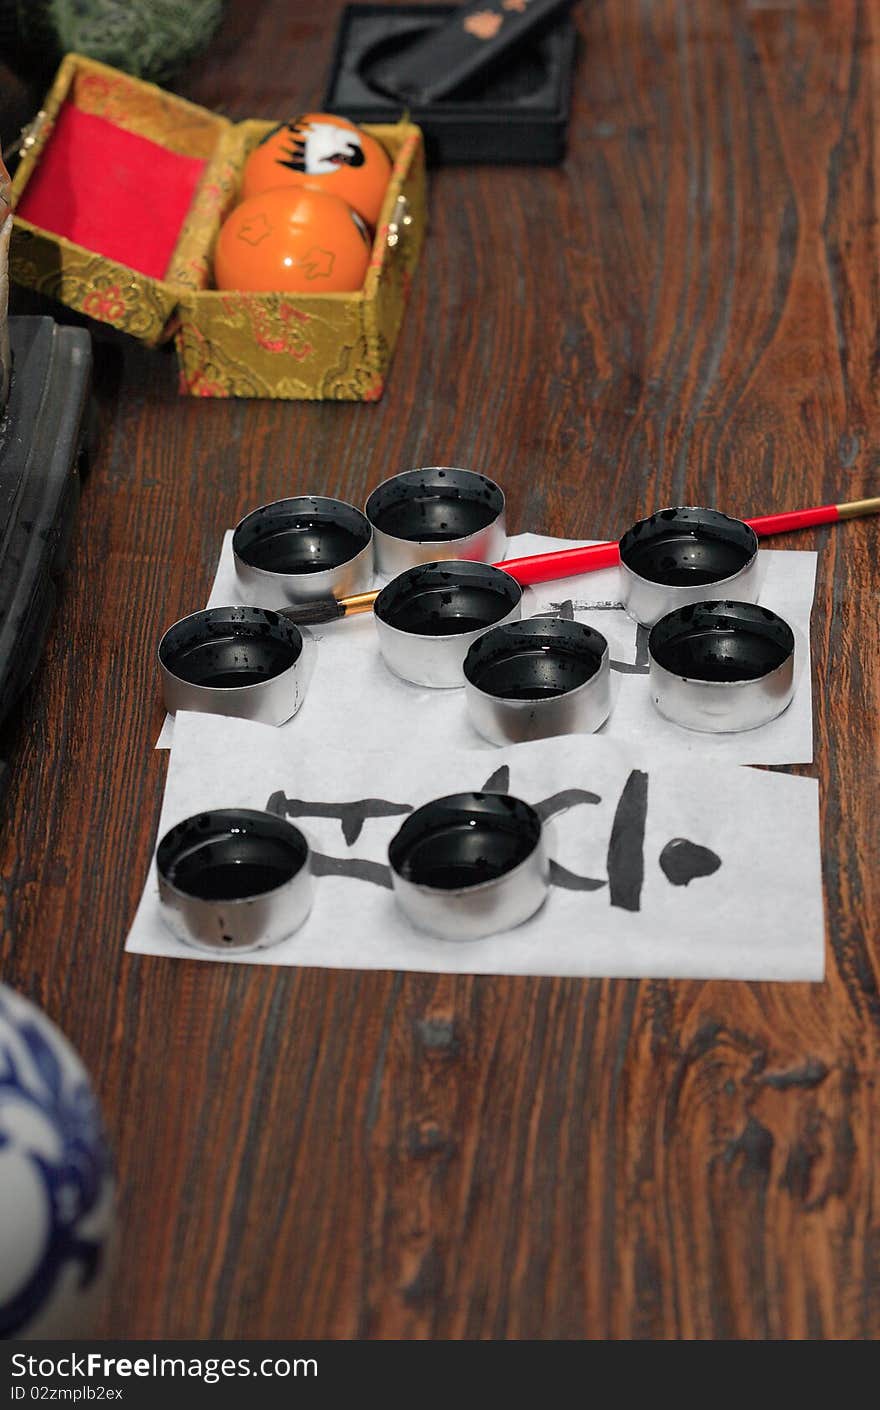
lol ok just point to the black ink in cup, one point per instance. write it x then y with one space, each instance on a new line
301 535
302 549
465 840
537 678
230 855
469 865
234 879
224 648
688 547
427 617
669 559
721 641
721 666
439 599
436 512
242 661
434 504
537 659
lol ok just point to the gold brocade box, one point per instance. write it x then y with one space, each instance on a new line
297 346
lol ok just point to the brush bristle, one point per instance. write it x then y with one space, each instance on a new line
314 614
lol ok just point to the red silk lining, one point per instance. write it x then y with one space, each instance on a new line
111 191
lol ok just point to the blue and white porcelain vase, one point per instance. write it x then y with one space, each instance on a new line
56 1180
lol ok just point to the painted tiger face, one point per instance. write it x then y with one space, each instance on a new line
323 153
317 148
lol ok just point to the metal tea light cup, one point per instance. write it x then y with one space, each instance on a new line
537 678
685 554
428 617
720 667
470 865
234 880
440 511
301 549
242 661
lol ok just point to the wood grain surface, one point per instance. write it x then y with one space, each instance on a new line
687 310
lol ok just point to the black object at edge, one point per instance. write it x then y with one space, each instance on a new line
41 435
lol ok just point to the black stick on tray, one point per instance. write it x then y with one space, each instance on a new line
467 44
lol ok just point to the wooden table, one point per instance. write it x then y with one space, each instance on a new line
686 311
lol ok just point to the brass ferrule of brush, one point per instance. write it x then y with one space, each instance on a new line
358 602
858 507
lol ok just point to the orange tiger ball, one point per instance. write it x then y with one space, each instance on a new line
322 153
293 241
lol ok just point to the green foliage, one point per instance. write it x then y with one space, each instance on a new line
152 39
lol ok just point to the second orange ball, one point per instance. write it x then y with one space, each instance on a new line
292 241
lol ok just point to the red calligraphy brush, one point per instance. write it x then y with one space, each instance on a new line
568 562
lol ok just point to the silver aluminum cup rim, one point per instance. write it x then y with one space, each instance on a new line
463 892
542 712
723 685
321 579
424 544
473 912
582 689
238 900
683 587
322 582
469 914
291 899
759 687
663 592
215 690
446 650
695 681
446 565
692 509
213 694
298 888
727 723
231 690
581 709
382 535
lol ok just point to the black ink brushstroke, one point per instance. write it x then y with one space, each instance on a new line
626 848
499 782
566 610
681 861
352 816
570 880
357 868
560 802
641 665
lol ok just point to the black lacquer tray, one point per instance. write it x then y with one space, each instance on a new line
516 113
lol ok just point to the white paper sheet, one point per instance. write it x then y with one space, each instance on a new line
352 695
757 914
